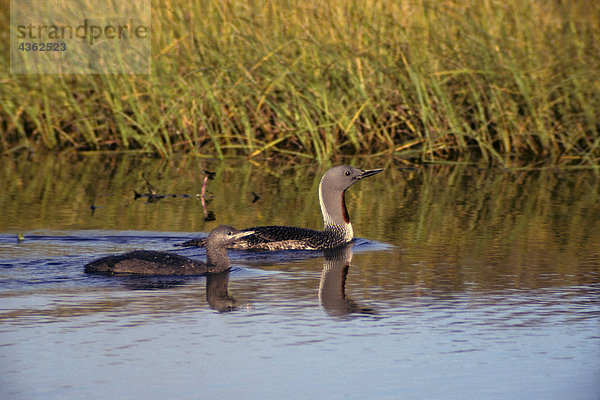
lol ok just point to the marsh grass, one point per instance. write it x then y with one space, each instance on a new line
508 81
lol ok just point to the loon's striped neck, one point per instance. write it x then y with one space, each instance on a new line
335 214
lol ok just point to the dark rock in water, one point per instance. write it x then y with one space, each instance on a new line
210 216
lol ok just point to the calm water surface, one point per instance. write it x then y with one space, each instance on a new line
464 284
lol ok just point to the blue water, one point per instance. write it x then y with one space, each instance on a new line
474 283
68 335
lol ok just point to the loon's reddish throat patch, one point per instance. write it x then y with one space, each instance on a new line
344 209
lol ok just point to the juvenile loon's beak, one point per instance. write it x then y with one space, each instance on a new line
241 234
369 172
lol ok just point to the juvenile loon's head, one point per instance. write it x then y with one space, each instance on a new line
216 246
332 187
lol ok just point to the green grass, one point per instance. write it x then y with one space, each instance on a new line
509 82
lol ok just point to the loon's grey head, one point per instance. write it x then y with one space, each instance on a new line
216 246
342 177
223 235
331 196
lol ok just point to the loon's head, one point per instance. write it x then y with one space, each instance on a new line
342 177
331 195
216 246
223 235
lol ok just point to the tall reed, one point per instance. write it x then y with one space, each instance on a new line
506 81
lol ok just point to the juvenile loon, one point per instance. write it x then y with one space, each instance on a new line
157 263
337 228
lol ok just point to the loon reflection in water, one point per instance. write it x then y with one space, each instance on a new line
217 292
332 286
337 228
157 263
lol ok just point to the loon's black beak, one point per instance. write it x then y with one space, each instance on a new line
369 172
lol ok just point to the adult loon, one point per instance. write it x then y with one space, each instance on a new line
337 228
157 263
